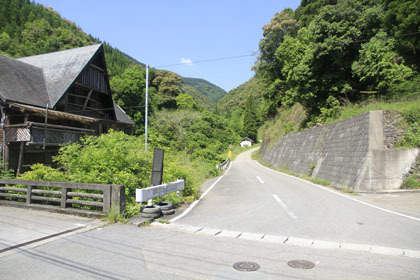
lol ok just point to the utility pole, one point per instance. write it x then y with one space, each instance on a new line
147 107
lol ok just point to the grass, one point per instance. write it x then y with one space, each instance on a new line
317 181
256 155
236 150
113 217
357 109
162 221
411 182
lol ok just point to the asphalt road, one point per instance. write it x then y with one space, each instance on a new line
253 198
129 252
252 216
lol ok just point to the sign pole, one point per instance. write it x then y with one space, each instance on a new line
146 107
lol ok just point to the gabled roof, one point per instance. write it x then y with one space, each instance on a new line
247 139
121 115
21 82
61 68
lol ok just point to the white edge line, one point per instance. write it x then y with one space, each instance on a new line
284 206
351 198
201 197
259 179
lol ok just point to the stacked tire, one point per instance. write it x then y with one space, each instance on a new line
165 207
157 210
151 212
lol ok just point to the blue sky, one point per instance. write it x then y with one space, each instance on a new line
166 32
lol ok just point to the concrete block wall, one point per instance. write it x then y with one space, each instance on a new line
349 153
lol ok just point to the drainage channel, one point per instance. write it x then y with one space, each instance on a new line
40 239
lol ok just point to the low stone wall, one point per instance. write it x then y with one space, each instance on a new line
348 153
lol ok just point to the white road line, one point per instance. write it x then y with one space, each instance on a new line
259 179
342 195
284 206
201 197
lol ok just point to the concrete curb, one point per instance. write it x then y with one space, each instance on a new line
291 241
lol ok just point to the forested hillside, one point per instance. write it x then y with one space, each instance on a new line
29 29
213 92
329 53
326 55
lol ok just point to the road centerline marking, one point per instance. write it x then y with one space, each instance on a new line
284 206
259 179
339 194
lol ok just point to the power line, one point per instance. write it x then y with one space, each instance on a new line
208 60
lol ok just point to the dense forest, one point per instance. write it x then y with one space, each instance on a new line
329 53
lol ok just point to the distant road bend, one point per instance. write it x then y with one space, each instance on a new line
256 199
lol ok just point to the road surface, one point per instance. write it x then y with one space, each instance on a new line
253 215
253 198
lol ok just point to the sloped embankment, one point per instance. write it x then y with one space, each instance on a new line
349 153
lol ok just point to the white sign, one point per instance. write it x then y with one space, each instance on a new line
160 190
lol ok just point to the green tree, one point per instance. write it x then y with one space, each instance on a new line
4 42
169 86
402 20
379 67
281 24
185 101
128 92
250 120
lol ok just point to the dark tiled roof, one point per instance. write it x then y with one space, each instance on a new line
21 82
62 68
43 79
121 115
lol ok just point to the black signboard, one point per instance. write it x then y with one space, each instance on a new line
157 169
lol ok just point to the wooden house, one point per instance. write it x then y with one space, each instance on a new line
52 99
246 142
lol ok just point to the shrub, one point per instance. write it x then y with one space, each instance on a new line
411 182
117 158
412 136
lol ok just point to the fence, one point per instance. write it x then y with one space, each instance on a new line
63 197
224 164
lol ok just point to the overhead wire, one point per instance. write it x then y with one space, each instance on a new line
208 60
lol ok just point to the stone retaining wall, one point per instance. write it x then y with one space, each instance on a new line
349 153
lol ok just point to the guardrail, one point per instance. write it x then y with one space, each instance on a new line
146 194
63 196
224 164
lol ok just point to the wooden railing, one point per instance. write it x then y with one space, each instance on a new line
75 198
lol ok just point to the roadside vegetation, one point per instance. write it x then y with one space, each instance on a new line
326 61
118 158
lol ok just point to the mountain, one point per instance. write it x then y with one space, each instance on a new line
211 91
27 29
236 97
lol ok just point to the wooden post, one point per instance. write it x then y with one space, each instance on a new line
87 100
118 198
107 198
64 191
21 152
28 195
22 149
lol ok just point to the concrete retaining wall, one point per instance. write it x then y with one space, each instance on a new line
347 153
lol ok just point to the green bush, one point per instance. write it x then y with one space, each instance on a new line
411 182
40 172
412 136
117 158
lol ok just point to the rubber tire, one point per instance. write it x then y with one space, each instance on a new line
168 212
151 210
164 205
151 216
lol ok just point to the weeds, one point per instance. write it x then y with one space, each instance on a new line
411 182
